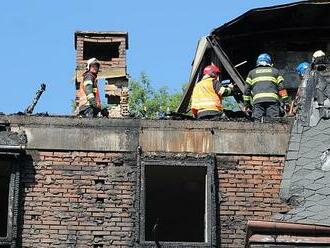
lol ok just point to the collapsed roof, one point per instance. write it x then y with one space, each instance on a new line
290 33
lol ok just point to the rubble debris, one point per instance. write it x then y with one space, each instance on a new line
30 108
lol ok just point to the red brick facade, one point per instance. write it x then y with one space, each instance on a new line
71 200
249 189
86 199
99 38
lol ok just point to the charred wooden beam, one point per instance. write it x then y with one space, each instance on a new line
225 61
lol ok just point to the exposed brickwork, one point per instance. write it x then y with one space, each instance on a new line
249 189
78 199
86 199
114 63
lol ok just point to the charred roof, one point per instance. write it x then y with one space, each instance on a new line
290 33
300 16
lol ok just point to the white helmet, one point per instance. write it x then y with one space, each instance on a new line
92 61
318 54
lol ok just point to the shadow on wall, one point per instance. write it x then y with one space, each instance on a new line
28 181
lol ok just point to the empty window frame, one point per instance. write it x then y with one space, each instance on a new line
4 196
113 99
178 203
9 191
103 51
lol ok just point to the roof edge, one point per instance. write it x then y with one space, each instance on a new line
233 21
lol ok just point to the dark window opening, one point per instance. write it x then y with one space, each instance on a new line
4 196
99 200
175 200
99 181
114 100
101 51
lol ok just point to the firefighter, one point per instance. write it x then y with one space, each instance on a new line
89 97
319 65
302 69
318 57
207 95
264 89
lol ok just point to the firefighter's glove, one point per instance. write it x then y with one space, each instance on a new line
248 110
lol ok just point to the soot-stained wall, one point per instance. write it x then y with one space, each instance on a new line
80 185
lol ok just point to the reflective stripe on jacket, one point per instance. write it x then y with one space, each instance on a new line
89 92
204 97
264 84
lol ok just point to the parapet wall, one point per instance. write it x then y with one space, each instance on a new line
203 137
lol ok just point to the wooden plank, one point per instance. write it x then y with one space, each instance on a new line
104 73
193 78
225 61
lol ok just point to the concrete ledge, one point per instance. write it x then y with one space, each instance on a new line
70 133
215 137
125 135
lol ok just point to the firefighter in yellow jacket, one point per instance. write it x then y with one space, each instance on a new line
207 95
89 97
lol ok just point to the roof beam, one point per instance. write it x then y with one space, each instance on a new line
196 68
234 74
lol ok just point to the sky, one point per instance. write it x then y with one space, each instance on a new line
37 46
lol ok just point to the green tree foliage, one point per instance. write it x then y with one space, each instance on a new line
146 101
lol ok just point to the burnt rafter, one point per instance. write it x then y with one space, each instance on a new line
290 33
303 15
225 61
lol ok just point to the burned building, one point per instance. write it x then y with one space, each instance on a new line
289 33
80 182
107 183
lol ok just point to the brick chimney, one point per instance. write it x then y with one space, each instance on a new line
110 49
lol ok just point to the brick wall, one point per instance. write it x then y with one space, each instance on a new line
86 199
115 62
78 199
249 189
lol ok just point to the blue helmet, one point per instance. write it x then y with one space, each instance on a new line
302 67
264 59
